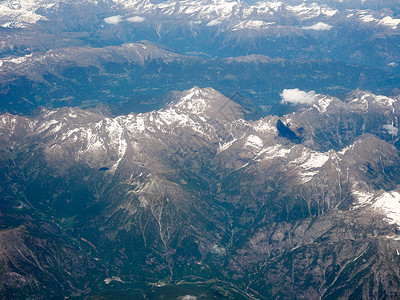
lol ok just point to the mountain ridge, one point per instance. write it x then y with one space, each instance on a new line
159 184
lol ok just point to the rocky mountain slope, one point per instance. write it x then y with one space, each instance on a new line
194 195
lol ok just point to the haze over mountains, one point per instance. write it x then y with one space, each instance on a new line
199 149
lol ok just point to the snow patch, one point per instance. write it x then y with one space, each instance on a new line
383 100
45 126
323 104
252 24
254 141
265 126
363 197
310 163
367 18
389 21
225 146
305 12
196 101
117 140
214 23
18 60
273 152
329 12
316 160
389 204
19 16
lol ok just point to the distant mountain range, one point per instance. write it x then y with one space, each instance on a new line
137 77
359 32
126 56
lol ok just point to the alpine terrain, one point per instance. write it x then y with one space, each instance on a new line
205 149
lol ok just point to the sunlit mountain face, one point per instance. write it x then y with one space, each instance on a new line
199 149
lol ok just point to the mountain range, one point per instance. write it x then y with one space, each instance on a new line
118 77
356 32
199 149
197 197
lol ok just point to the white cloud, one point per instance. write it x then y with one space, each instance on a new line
113 20
214 23
295 96
318 26
135 19
391 129
187 297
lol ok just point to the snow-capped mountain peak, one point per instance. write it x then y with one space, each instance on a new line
209 103
364 100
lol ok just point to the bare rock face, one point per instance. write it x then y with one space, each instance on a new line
195 194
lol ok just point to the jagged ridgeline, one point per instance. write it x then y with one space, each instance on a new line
194 201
